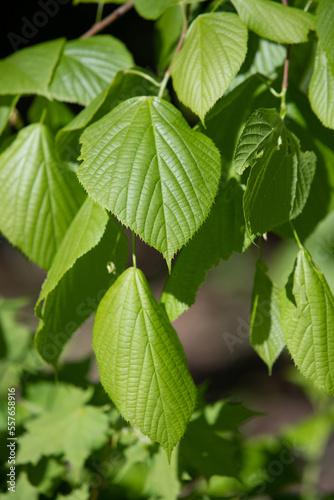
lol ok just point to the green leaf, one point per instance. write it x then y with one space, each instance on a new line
141 361
209 432
168 31
124 86
78 277
39 196
281 176
7 104
321 90
221 234
266 333
152 9
73 432
307 316
30 70
143 162
162 479
211 56
325 27
54 114
87 67
275 21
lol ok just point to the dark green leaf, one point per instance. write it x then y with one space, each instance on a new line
7 104
221 234
321 90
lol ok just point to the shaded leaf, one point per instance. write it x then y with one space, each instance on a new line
307 316
281 176
321 90
141 361
152 9
88 66
53 114
39 195
70 432
211 56
275 21
29 71
221 234
143 162
7 104
168 31
266 333
78 278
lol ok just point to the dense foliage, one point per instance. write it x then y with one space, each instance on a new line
259 158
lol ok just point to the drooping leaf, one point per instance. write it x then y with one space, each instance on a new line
221 234
78 278
39 195
281 175
87 67
321 90
73 432
304 123
209 432
124 86
141 361
30 70
7 104
144 164
211 56
325 27
275 21
152 9
266 333
307 316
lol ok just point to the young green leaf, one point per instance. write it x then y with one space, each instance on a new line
78 277
221 234
30 70
152 9
281 176
307 315
266 333
143 162
86 67
73 431
211 56
275 21
325 27
141 361
39 195
321 90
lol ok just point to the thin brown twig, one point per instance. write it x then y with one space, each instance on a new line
97 27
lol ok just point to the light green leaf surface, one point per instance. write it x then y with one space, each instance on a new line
30 70
321 90
124 86
325 27
307 315
152 9
266 333
275 21
70 432
281 176
39 195
221 234
141 361
211 56
88 66
7 104
143 162
78 277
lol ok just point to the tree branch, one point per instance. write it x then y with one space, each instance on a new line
97 27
